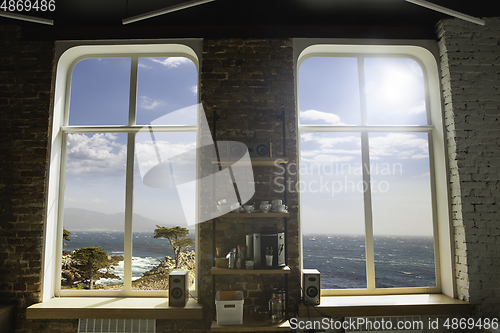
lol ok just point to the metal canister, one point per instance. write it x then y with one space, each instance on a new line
232 259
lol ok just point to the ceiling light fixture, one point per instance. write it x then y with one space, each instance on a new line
166 10
448 11
26 18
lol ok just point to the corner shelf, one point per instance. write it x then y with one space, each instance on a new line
247 215
251 326
223 271
256 161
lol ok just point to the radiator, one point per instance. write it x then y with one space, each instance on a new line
117 326
409 324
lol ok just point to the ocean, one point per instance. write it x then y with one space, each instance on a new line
400 261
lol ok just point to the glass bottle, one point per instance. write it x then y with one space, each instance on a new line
276 305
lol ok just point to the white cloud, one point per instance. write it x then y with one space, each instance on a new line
142 65
97 154
172 62
328 142
194 89
150 104
398 145
416 109
314 115
415 68
326 158
395 145
424 175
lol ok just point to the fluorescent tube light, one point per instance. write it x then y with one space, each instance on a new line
26 18
166 10
448 11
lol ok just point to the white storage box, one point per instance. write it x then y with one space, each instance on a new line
230 312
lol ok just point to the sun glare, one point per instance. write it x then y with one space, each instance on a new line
397 86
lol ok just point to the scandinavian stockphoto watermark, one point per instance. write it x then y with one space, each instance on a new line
335 177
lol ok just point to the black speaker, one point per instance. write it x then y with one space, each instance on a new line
259 149
311 286
178 286
234 150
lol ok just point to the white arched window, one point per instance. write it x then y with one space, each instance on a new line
373 181
119 110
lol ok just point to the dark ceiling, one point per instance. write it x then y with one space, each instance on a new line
226 14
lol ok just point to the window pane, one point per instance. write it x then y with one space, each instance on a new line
332 211
100 90
402 210
94 210
395 92
166 85
329 91
166 199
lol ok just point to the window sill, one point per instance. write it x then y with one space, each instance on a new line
112 308
390 305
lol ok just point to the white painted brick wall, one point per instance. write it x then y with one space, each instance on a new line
470 74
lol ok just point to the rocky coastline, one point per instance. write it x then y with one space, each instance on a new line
157 277
154 279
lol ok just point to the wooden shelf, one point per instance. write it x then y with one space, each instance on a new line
249 215
113 308
388 305
224 271
251 326
256 161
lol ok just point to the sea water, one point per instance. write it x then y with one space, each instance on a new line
400 261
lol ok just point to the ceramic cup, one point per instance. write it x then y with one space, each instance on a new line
235 207
264 208
276 202
269 259
248 208
280 208
224 208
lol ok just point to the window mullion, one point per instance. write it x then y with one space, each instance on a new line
362 91
129 183
367 190
367 198
132 110
129 188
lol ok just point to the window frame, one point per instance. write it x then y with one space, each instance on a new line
68 54
424 53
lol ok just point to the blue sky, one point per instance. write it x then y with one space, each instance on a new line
95 172
332 183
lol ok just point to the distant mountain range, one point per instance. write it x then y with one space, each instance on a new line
82 219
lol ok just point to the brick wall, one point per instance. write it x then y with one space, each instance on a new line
470 65
249 84
25 88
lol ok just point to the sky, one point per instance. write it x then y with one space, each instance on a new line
331 169
331 177
96 162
